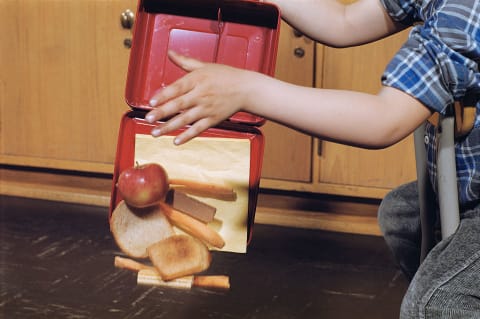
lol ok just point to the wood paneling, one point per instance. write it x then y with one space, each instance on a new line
288 153
63 72
360 68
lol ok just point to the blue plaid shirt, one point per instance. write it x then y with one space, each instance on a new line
438 65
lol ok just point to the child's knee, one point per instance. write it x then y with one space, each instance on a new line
439 303
399 204
416 300
439 291
388 211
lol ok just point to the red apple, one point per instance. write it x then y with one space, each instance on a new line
143 185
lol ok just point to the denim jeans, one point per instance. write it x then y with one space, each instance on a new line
447 283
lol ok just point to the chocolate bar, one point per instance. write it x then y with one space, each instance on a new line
191 206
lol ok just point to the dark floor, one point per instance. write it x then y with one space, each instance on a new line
56 261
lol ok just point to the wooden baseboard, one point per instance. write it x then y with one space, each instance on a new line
364 225
339 215
318 211
59 186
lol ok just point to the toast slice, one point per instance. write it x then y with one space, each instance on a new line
178 256
134 230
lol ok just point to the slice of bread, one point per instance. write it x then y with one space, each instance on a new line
135 229
178 256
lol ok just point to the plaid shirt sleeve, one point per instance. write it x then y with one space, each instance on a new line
435 65
439 65
401 11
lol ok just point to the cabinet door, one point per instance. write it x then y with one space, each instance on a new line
288 152
360 69
62 83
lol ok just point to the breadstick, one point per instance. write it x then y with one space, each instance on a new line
204 189
193 226
130 264
217 282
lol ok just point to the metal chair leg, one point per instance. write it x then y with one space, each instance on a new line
425 192
446 180
447 177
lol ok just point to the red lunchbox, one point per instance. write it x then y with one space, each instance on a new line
239 33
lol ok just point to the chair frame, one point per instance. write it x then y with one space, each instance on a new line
446 182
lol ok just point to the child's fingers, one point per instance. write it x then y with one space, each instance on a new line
171 100
173 106
171 125
191 116
186 63
177 88
182 85
193 131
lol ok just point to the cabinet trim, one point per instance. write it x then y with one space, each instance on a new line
325 188
81 166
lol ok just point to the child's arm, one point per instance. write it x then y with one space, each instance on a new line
210 93
336 24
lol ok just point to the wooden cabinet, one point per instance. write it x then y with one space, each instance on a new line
288 153
363 171
62 83
332 168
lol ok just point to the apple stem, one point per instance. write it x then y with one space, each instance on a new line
137 164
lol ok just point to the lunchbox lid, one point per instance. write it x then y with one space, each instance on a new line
239 33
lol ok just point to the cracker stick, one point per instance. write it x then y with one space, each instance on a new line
193 226
151 277
204 189
130 264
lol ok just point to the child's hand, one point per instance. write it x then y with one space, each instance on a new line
207 95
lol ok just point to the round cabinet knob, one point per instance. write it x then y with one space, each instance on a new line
127 18
297 33
299 52
127 43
